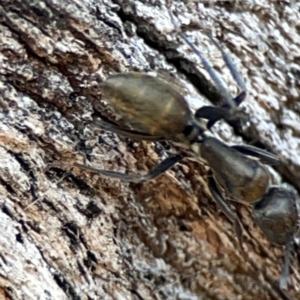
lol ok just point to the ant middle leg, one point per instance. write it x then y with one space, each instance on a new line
264 156
134 178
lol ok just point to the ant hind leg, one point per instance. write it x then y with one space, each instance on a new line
234 117
229 111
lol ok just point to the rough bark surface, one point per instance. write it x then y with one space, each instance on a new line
82 236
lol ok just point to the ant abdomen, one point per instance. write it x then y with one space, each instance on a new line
149 104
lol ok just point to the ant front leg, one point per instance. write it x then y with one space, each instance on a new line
283 282
226 209
276 214
155 172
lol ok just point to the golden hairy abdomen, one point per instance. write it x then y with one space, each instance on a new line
147 103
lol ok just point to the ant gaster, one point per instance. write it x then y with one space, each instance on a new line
155 110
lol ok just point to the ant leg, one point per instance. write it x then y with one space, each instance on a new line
205 63
226 209
286 265
156 171
229 111
210 71
234 117
126 132
265 157
237 77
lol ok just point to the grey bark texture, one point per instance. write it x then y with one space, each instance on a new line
77 235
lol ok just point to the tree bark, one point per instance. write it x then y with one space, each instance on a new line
77 235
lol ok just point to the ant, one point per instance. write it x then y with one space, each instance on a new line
155 111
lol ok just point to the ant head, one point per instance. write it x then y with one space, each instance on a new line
276 215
